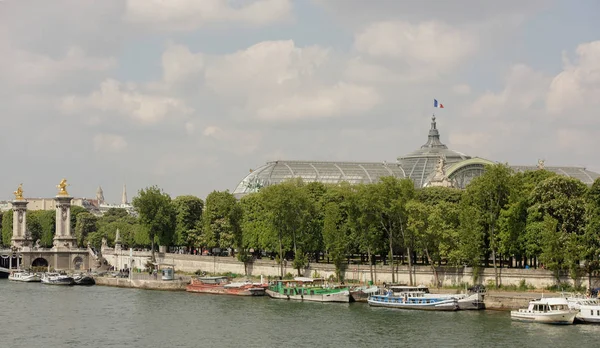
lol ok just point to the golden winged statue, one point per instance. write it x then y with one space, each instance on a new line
62 188
19 193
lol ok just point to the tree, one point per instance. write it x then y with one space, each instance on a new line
363 217
591 237
85 225
391 199
189 214
288 210
489 194
75 211
156 214
560 202
255 224
335 237
7 222
220 220
43 226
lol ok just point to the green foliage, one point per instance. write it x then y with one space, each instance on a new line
335 237
221 220
156 214
7 219
289 212
188 220
75 211
85 225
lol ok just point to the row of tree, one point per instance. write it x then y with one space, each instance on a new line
532 218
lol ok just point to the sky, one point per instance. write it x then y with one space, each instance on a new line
190 95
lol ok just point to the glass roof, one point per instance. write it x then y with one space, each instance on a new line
325 172
418 166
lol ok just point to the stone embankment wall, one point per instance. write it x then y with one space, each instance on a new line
142 284
447 276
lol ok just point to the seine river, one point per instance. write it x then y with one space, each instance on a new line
36 315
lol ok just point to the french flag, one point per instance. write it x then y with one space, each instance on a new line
436 104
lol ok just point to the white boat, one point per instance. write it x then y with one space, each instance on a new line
551 310
588 309
415 300
466 301
57 279
23 276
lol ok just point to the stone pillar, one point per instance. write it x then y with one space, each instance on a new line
19 223
63 238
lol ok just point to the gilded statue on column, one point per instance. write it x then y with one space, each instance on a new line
62 188
19 193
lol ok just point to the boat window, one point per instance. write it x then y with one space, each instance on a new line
592 312
597 311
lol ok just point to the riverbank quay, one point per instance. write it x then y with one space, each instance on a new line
446 276
147 283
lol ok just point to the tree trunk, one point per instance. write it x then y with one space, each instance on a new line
410 277
392 256
435 273
370 264
280 257
152 246
494 257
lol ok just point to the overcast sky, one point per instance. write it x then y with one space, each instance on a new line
191 94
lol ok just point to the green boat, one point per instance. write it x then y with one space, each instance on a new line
307 289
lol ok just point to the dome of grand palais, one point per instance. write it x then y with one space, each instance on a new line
433 164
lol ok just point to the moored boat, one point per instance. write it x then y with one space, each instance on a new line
551 310
307 289
472 300
54 278
24 276
362 293
588 309
415 300
222 286
83 279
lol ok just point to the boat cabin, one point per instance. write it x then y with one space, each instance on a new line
213 280
401 289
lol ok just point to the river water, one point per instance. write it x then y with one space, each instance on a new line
36 315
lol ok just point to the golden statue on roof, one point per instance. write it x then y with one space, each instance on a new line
62 188
19 193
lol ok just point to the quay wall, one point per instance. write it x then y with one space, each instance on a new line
173 285
448 276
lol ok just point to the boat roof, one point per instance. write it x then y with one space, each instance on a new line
212 278
308 280
551 300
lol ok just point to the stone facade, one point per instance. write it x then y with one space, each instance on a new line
19 236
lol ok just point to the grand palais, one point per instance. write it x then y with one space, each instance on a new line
433 164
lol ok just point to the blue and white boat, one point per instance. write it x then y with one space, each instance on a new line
416 300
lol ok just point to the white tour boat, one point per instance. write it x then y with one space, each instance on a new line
23 276
551 310
466 301
57 279
414 300
588 309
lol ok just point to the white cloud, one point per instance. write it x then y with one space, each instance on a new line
192 14
109 143
429 44
179 64
276 80
523 90
577 87
22 67
238 141
461 89
263 67
126 99
334 101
